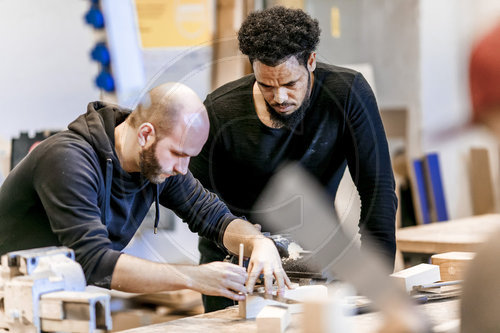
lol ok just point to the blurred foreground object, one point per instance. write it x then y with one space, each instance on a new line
484 76
44 290
310 218
481 292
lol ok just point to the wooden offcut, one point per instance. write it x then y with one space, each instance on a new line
452 265
305 293
417 275
273 319
252 305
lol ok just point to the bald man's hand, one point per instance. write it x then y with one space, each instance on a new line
136 275
220 279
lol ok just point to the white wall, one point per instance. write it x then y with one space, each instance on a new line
448 29
46 75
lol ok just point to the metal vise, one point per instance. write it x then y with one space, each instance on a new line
44 290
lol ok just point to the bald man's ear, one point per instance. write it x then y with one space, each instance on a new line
146 135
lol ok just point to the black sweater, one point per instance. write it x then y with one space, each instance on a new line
71 190
342 126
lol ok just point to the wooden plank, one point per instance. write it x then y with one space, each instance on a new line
465 235
452 265
481 182
228 62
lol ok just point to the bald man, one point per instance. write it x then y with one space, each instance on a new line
90 187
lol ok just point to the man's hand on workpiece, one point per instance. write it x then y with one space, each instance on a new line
264 256
265 259
220 279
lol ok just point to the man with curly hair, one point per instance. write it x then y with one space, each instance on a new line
293 108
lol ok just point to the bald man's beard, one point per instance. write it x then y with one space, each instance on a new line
150 166
290 120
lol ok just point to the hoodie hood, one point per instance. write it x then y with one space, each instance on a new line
97 127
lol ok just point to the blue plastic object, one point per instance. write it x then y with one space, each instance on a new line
100 54
94 17
105 81
436 186
418 168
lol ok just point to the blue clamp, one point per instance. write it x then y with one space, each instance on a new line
94 17
105 81
100 54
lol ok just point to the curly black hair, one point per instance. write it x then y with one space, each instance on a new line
273 35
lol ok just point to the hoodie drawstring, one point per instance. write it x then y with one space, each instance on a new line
157 206
109 177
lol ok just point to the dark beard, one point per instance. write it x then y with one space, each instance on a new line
289 121
150 167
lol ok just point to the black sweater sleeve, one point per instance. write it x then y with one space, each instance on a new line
66 181
202 210
370 167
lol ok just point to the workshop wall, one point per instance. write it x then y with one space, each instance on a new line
419 51
47 76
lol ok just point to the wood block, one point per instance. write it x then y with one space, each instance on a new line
326 316
417 275
51 325
305 293
481 183
273 319
452 265
250 308
51 309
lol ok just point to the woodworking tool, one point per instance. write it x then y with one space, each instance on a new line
437 284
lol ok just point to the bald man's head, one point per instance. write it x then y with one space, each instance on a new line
165 105
172 126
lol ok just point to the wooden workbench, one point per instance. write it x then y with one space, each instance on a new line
227 321
455 235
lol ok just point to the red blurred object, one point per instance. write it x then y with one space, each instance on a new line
484 73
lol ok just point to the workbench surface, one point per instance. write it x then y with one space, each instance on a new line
228 321
455 235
